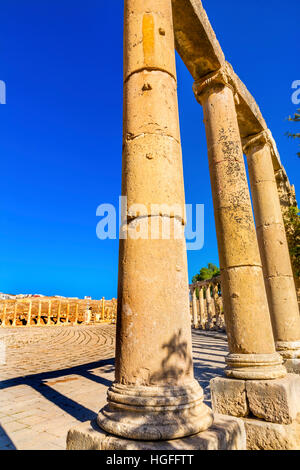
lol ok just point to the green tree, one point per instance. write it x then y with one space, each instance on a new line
295 118
292 227
206 273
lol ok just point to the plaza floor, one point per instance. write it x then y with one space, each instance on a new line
57 377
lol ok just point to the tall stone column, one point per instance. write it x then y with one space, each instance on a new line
155 395
3 324
195 309
274 250
49 312
250 337
210 307
201 308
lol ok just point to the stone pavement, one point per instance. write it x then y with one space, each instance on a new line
57 377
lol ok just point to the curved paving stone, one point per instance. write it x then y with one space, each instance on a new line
57 377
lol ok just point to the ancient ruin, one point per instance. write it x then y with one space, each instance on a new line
47 311
155 398
207 311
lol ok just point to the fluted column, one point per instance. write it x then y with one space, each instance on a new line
155 395
273 246
250 337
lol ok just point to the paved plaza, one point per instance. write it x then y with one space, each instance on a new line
57 377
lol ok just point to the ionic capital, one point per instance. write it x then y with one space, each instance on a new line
256 141
211 82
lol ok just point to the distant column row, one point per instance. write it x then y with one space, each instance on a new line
207 305
18 313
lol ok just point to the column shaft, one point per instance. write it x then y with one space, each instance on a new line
250 338
155 395
195 310
273 246
202 309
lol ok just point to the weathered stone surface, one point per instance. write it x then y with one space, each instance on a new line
227 433
155 395
150 106
270 436
201 52
273 245
250 118
149 37
149 158
292 366
195 38
229 397
276 401
245 302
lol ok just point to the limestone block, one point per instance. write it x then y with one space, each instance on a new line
229 397
227 433
292 366
270 436
195 39
276 401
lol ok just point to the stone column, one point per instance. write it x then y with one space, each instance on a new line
216 304
87 315
155 395
4 313
76 314
28 315
58 313
14 323
68 313
103 313
39 313
273 246
195 310
250 337
201 307
210 310
49 312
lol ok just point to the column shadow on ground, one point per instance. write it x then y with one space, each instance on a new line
5 441
204 369
37 382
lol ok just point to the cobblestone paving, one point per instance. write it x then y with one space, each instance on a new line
57 377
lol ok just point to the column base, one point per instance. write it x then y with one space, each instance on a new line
270 409
254 366
227 433
262 435
288 349
292 366
155 413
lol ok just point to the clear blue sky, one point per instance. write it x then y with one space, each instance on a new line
61 130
